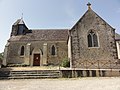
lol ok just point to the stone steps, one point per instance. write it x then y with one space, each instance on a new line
29 74
29 77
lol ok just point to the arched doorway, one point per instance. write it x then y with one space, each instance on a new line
36 60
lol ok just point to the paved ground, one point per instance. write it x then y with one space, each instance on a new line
62 84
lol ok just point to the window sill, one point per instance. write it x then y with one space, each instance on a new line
92 47
53 55
22 56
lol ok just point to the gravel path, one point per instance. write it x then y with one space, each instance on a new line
62 84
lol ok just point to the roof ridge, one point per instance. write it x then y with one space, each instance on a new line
90 10
49 29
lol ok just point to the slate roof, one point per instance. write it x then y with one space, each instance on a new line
19 21
43 35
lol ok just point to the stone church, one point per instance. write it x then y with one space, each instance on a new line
90 43
35 47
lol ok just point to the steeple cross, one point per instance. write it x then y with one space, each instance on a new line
89 5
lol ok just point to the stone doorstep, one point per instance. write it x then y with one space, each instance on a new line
33 77
28 77
50 68
30 68
30 74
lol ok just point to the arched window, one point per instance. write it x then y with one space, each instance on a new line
92 39
22 51
53 50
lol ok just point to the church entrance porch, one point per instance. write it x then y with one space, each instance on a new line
36 60
36 57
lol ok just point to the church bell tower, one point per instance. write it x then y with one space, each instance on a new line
19 28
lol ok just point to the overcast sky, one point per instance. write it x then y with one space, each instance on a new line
39 14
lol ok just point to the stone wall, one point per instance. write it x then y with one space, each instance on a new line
41 47
90 73
61 53
106 49
118 48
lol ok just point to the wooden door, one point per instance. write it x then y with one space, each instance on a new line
36 60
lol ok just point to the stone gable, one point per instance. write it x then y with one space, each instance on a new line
106 49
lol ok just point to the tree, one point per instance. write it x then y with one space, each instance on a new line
1 56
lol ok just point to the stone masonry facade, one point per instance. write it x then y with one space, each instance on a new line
102 56
90 44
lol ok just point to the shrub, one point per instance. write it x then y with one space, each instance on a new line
65 63
1 56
